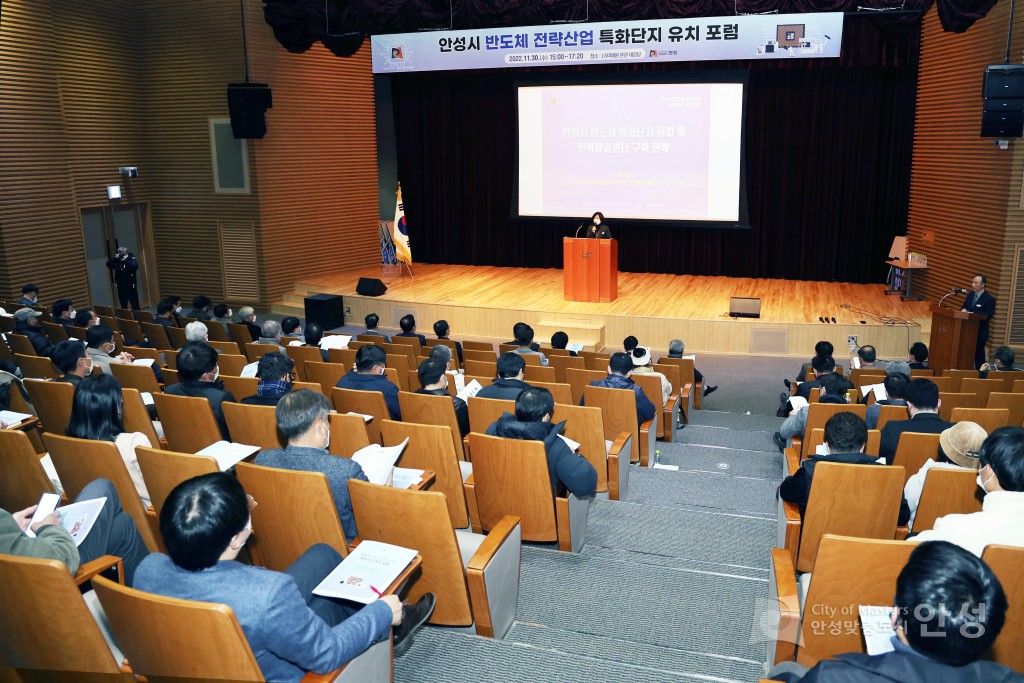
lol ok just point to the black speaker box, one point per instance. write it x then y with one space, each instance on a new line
369 286
248 104
1003 80
327 310
1003 132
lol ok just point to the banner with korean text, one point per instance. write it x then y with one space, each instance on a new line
771 36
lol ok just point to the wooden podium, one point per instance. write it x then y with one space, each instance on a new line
591 269
954 338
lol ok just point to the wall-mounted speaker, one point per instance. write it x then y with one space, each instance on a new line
1003 103
248 104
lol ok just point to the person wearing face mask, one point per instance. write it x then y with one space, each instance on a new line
598 229
198 373
86 318
126 268
958 449
302 418
434 381
71 359
63 312
26 322
29 296
368 375
100 341
1001 519
248 317
276 372
165 314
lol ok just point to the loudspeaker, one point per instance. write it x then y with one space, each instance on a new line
1003 80
1003 90
744 307
369 286
248 104
327 310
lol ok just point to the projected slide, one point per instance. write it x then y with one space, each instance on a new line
644 151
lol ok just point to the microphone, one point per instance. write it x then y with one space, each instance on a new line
833 319
820 319
578 230
957 290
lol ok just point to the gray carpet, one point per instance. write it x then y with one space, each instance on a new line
726 438
750 423
746 383
709 490
700 458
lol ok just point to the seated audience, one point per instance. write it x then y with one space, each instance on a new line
197 375
442 330
100 342
865 358
71 359
676 348
290 326
368 375
1001 519
444 355
846 436
165 314
918 356
276 372
200 308
26 322
515 334
408 325
532 422
630 343
620 368
196 331
312 336
511 370
113 533
302 418
642 362
895 384
922 396
948 610
63 312
175 302
560 340
1004 359
958 449
96 413
372 320
86 317
832 388
248 317
822 365
270 333
434 381
222 314
524 338
205 524
29 296
821 350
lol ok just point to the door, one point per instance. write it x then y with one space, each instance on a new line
106 228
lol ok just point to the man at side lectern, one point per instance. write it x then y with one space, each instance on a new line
981 302
598 229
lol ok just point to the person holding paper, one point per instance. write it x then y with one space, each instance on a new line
276 372
560 340
434 381
923 403
113 533
302 418
205 523
509 384
198 372
532 422
895 385
313 334
369 376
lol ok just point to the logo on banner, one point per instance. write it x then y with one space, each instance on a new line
396 53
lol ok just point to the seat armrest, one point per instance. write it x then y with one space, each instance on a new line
618 466
465 448
792 461
684 399
493 578
671 417
429 476
698 394
571 519
469 486
784 605
101 564
648 439
788 529
901 533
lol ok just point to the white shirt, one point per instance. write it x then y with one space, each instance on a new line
915 485
1001 521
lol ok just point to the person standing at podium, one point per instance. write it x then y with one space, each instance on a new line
980 302
598 229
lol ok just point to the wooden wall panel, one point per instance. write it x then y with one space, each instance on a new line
960 189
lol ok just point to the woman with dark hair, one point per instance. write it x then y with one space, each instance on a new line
598 228
314 333
97 413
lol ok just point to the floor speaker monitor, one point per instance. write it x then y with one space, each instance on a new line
369 286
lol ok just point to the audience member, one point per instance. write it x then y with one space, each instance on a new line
642 362
822 365
248 317
312 335
200 308
196 331
846 435
270 334
71 359
434 381
205 524
508 385
86 317
222 314
197 374
1004 358
532 422
408 325
958 449
372 320
97 414
821 350
676 348
302 418
113 533
29 296
175 302
100 342
26 322
276 372
560 340
922 396
1001 478
442 330
918 356
290 326
895 384
443 354
368 375
524 338
515 336
630 343
165 314
832 388
620 368
63 312
866 356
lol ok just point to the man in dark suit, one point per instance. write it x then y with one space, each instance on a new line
198 374
822 365
922 396
408 325
980 302
509 384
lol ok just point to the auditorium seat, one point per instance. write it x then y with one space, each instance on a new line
578 379
689 388
451 347
560 363
52 401
176 336
402 365
163 470
886 413
1007 562
348 434
507 348
596 361
428 409
215 331
136 416
990 419
481 368
188 422
408 351
374 339
157 336
483 412
562 393
957 376
240 335
486 355
300 355
325 374
944 384
345 357
817 437
139 377
21 344
55 332
257 423
585 426
130 329
946 492
819 413
983 387
24 480
255 351
1012 402
949 401
414 342
535 372
651 386
364 403
618 412
914 450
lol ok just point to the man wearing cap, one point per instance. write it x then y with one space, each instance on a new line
958 449
642 366
26 322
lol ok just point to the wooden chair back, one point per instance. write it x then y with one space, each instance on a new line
584 425
817 437
80 461
579 379
618 413
405 351
325 374
157 336
531 359
103 310
470 345
950 401
364 403
486 355
511 478
595 360
55 331
24 480
154 631
254 350
417 519
914 450
1007 562
1018 386
226 347
215 331
239 334
946 492
176 337
300 355
124 313
651 386
483 412
36 367
52 401
188 422
482 368
982 388
536 373
507 347
163 470
560 363
375 339
863 376
886 413
130 329
430 449
849 571
136 416
413 380
346 357
957 376
562 393
402 365
49 633
819 413
294 511
1010 401
110 321
685 366
945 384
21 344
990 419
78 333
451 347
927 373
672 374
549 351
427 409
239 387
862 501
231 364
414 342
257 423
138 377
145 352
348 434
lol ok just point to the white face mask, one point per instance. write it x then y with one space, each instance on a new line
597 221
983 482
88 368
178 309
326 435
71 313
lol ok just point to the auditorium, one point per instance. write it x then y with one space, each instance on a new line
340 281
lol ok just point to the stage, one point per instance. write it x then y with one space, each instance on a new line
484 302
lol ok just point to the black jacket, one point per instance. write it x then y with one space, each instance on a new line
905 667
124 270
571 470
40 342
534 346
461 409
507 389
796 488
981 305
212 392
926 423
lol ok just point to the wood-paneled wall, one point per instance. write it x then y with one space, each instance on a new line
964 191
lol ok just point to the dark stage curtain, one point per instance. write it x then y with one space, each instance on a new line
827 150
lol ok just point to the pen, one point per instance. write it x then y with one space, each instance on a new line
379 594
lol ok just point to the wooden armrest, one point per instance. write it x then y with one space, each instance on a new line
469 486
783 589
429 476
792 460
901 533
494 539
645 431
793 521
399 583
669 415
562 524
619 443
797 442
101 564
465 448
311 677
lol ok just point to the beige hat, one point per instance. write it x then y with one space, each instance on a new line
641 360
961 443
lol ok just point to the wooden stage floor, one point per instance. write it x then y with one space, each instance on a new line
484 302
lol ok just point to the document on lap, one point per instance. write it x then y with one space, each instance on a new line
366 573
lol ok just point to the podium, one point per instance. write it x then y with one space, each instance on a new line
954 338
591 269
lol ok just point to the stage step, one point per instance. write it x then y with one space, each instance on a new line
580 332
